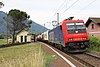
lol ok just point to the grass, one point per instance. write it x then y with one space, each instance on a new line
97 49
2 41
49 58
28 55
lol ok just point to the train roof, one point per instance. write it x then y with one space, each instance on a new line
69 21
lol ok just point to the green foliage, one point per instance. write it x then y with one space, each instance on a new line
16 21
94 43
1 36
3 41
18 15
18 18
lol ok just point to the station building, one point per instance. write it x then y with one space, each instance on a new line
25 36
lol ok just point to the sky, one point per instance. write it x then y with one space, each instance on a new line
44 12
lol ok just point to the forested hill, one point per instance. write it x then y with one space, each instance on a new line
37 28
3 27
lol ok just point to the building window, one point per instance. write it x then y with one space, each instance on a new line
92 26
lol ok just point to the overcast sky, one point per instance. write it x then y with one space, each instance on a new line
44 11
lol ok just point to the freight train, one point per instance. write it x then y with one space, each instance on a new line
70 35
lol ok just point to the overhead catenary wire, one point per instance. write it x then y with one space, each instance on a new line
86 6
59 9
74 3
71 6
56 11
64 6
66 2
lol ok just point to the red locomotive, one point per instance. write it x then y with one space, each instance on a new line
70 35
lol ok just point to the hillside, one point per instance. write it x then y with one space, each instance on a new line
2 23
35 28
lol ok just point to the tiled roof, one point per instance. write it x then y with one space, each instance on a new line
95 20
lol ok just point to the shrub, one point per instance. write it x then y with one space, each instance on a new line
94 42
1 36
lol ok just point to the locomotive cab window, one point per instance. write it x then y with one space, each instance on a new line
80 25
75 26
70 28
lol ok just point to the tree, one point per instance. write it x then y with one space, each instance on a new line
17 20
1 4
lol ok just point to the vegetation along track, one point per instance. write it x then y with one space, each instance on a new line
87 59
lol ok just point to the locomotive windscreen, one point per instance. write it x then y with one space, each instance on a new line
75 27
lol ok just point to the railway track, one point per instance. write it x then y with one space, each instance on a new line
87 59
81 60
93 55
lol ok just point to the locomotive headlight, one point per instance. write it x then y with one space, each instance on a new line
84 38
70 39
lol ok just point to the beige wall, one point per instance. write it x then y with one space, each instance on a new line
96 31
23 33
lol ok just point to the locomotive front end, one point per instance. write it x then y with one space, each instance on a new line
76 36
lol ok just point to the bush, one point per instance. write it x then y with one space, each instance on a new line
94 42
1 36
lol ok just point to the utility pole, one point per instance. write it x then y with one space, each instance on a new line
57 19
55 23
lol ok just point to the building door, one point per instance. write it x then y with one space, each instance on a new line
25 38
21 38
